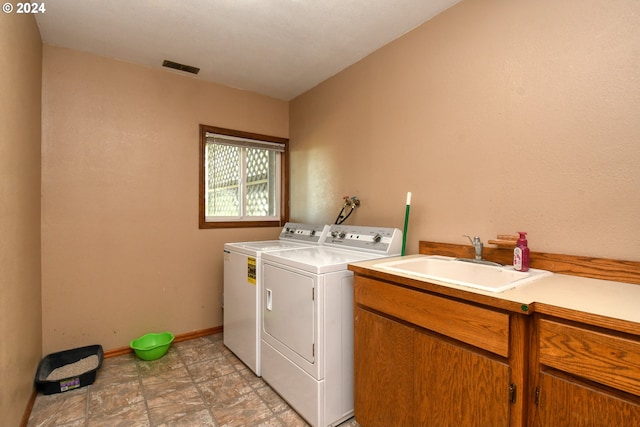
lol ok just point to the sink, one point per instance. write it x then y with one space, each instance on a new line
451 270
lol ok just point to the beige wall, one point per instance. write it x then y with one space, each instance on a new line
20 308
499 115
122 254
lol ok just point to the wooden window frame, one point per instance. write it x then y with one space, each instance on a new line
284 193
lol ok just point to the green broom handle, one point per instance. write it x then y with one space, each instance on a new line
406 223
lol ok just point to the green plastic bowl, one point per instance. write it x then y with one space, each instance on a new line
152 346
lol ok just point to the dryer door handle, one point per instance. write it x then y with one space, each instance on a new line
269 299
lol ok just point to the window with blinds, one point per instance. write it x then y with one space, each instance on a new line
243 179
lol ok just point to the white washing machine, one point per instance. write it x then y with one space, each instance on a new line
243 287
307 320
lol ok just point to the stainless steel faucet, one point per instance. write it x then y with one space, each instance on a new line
477 245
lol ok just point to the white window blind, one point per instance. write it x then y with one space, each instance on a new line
244 142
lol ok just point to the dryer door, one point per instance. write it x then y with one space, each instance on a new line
289 311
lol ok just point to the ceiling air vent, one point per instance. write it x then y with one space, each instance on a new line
181 67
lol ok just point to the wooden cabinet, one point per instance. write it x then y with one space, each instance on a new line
458 386
428 355
561 352
384 369
426 360
585 376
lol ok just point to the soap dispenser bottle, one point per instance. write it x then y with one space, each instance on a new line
521 253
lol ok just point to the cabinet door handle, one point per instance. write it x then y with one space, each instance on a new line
269 299
513 389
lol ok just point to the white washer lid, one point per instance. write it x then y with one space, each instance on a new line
317 260
257 247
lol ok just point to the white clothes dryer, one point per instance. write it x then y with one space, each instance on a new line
243 287
307 326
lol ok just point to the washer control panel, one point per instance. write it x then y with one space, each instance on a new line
381 240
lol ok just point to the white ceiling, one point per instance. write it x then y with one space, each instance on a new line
279 48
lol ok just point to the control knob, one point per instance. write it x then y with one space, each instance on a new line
377 238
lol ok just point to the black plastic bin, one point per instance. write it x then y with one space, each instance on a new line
57 360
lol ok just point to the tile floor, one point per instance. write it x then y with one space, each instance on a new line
197 383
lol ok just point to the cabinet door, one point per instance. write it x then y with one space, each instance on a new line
565 403
456 386
383 368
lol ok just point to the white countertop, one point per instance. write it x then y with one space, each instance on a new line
607 298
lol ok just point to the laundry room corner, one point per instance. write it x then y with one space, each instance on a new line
122 254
